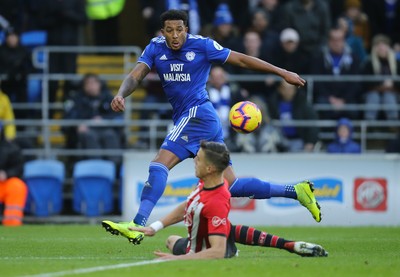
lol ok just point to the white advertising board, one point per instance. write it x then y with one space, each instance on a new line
353 190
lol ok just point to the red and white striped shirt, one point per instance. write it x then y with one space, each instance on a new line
206 214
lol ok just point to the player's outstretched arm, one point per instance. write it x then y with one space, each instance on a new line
253 63
130 83
216 251
173 217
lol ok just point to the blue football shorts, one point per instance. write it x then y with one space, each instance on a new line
197 124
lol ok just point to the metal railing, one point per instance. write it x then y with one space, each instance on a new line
40 58
153 134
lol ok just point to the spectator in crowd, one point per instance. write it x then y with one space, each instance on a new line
382 62
91 105
353 41
336 59
289 103
253 47
344 142
15 63
205 14
287 54
269 37
311 18
62 20
7 114
358 21
274 10
210 9
223 30
151 11
266 139
223 95
384 18
13 190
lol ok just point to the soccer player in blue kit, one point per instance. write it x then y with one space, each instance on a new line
183 63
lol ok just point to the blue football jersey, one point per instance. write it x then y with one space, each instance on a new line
184 73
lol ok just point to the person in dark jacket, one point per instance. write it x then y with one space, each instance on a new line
344 142
287 104
381 95
62 20
91 105
15 63
336 60
13 190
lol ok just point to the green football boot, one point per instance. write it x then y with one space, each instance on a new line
122 228
306 198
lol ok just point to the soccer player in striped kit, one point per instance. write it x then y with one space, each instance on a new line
183 63
205 214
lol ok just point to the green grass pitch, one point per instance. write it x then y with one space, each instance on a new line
88 250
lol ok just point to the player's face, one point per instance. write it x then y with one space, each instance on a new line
200 164
175 33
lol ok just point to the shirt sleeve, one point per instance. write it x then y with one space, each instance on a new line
147 56
216 212
215 52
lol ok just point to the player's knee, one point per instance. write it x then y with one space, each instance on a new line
170 242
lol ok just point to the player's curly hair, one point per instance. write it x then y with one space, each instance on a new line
216 153
174 15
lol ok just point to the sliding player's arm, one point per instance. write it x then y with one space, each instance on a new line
216 251
173 217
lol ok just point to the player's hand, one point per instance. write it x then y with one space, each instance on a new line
293 79
165 256
147 231
118 104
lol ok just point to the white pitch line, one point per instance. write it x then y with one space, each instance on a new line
95 269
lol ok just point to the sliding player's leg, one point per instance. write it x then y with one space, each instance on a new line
250 236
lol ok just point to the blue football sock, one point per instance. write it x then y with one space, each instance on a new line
258 189
250 187
152 191
286 191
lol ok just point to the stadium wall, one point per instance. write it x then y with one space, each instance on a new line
353 190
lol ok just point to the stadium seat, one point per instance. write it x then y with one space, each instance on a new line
45 179
2 37
34 90
93 187
33 38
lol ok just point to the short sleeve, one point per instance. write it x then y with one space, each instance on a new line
147 56
215 52
216 213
